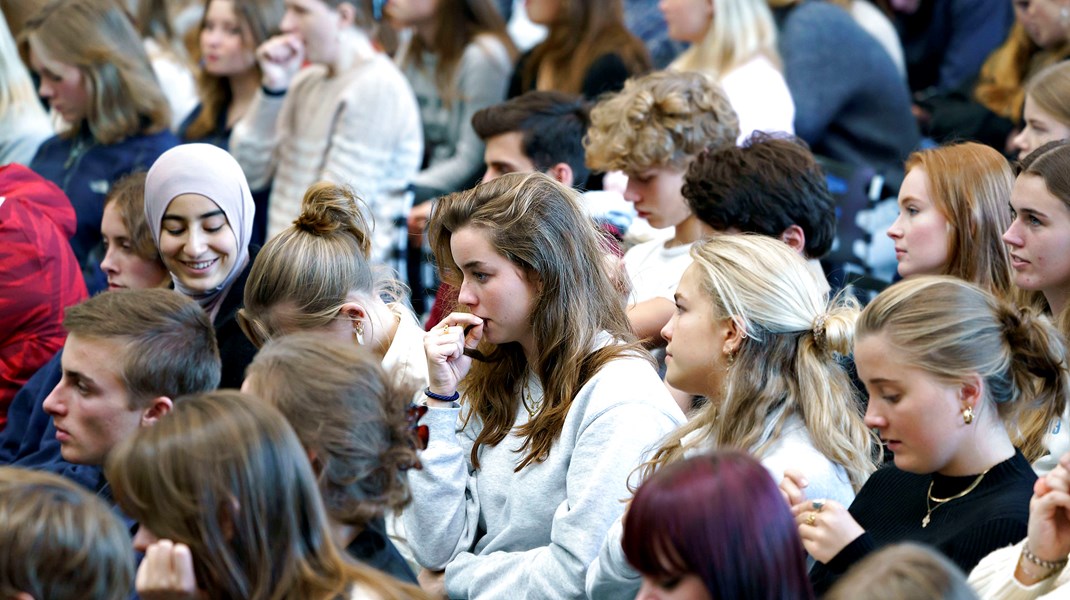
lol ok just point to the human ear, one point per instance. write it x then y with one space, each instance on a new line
160 407
794 237
734 335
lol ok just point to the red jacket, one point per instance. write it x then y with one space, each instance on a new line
39 275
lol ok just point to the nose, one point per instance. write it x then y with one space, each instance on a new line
465 295
143 539
896 231
196 243
53 404
1011 236
289 22
44 89
108 265
874 418
666 331
631 194
646 591
1021 144
490 175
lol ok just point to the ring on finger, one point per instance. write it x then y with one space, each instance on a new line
811 519
818 505
445 329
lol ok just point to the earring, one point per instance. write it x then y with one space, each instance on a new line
967 415
358 332
730 358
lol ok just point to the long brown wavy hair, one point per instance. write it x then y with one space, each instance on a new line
583 31
540 226
1001 85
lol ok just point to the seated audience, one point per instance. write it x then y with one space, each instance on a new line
851 104
96 76
39 279
24 125
756 335
948 368
652 130
349 117
60 542
1036 566
905 571
588 49
157 25
350 417
200 211
522 479
952 214
715 526
1046 112
768 185
316 276
737 48
160 346
228 507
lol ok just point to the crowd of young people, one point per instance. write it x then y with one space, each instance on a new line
648 390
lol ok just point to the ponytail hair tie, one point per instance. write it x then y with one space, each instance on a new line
818 331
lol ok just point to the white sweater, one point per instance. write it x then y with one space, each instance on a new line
610 575
993 579
359 127
532 534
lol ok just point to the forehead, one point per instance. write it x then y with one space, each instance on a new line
876 356
507 145
97 358
191 206
1031 190
112 222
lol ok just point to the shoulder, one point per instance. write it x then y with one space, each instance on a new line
626 387
486 48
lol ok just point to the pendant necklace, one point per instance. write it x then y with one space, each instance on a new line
938 502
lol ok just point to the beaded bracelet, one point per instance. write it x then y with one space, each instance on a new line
440 397
1053 566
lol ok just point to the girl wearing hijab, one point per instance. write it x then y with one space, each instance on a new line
198 204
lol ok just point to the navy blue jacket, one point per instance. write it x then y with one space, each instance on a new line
85 170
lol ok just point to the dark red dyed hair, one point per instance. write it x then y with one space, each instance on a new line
721 517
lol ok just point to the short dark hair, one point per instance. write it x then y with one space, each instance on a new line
763 186
552 123
171 346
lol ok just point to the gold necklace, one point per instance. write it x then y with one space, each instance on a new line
941 501
528 401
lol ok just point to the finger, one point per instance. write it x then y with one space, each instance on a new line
182 561
792 491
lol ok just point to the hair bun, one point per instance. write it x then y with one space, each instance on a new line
328 209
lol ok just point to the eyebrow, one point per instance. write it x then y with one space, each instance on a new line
880 381
472 264
78 376
206 215
1030 211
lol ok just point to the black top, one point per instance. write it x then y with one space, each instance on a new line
892 504
373 548
606 74
235 350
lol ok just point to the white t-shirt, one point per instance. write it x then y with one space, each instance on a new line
655 270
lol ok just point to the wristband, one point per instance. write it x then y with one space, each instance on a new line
272 93
440 397
1052 566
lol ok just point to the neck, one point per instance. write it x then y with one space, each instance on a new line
987 448
689 230
343 535
354 46
1057 300
243 88
426 32
386 322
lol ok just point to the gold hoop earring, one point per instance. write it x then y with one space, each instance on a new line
967 415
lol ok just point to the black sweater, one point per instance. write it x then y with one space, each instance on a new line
892 504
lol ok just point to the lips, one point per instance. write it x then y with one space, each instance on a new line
62 435
200 266
1018 262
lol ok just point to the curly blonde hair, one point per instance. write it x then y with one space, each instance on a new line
663 119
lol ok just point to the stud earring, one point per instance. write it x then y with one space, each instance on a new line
358 332
967 415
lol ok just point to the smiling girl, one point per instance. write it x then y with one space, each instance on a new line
949 369
198 205
952 214
522 479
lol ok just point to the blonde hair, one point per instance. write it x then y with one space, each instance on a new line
345 408
971 186
739 31
903 572
787 364
541 227
1050 91
951 329
1000 86
225 474
16 87
97 37
303 276
60 542
663 119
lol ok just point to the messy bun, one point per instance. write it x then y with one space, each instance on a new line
329 209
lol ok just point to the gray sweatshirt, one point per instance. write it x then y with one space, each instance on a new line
532 534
